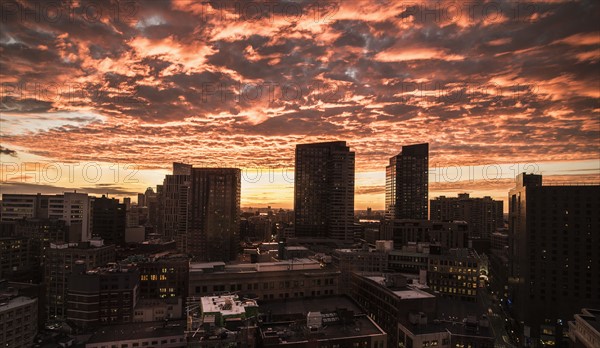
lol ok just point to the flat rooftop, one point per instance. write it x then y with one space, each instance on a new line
334 325
226 305
284 265
136 331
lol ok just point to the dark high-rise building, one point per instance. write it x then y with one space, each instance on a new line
406 183
214 214
324 191
553 255
109 220
173 202
484 215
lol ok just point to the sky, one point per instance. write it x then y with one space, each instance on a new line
103 96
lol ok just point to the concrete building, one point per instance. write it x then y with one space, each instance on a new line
324 191
72 207
297 278
162 275
412 258
484 215
584 331
101 296
413 317
173 205
17 256
60 259
18 320
457 273
214 215
109 220
553 253
158 310
449 234
406 183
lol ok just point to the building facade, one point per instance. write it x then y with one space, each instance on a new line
101 296
18 321
484 215
553 254
214 215
109 220
449 234
60 259
324 191
406 183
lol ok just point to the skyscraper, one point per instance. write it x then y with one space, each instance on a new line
173 201
214 215
553 254
406 183
324 191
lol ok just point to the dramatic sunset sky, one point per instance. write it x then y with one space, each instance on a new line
496 88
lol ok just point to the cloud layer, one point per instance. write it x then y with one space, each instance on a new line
240 83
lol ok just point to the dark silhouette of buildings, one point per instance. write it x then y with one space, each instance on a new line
109 220
553 254
406 184
214 215
324 191
484 215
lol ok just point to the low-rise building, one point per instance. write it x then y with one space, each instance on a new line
449 234
294 278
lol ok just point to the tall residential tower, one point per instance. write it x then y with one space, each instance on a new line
324 191
406 183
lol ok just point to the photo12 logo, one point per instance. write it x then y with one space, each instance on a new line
253 11
53 11
53 172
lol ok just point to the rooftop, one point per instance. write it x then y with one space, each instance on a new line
136 331
340 317
226 305
284 265
15 302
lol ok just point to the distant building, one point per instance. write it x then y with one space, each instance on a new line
18 320
324 191
101 296
109 220
449 234
71 207
60 259
173 203
406 183
17 256
214 215
554 254
484 215
584 331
